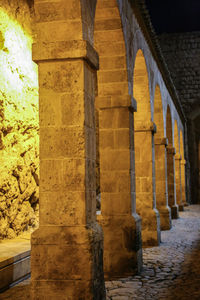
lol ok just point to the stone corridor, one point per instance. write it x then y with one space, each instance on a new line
171 271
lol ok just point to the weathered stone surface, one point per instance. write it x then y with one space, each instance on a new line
19 153
181 51
172 270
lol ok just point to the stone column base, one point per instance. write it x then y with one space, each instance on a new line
151 228
66 263
174 212
165 218
181 207
122 245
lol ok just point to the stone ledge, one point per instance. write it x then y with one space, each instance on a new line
65 50
14 261
145 126
116 102
178 156
161 141
171 150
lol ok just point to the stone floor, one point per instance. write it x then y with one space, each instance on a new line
171 271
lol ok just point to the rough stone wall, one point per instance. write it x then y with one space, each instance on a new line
182 52
19 138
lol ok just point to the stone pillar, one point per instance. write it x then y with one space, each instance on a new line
171 151
145 191
161 183
178 182
67 249
183 164
121 225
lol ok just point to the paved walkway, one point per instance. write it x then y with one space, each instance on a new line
171 271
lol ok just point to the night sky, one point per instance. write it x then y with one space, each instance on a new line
174 15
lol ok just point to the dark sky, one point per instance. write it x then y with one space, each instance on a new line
174 15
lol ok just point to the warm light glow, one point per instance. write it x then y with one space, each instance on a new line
19 126
18 79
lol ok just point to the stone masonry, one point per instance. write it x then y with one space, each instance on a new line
170 271
103 84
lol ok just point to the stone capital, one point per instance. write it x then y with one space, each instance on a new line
145 126
171 150
111 102
161 141
66 50
178 156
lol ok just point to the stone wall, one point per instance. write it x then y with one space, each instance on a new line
182 52
19 138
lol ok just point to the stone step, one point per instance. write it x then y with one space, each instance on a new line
14 261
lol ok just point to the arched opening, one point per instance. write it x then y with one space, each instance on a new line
144 155
183 162
114 146
171 167
161 163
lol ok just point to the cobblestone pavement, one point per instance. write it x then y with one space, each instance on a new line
170 272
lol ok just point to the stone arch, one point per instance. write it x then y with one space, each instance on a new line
169 126
110 45
176 136
183 163
171 166
144 155
141 89
158 112
161 163
114 121
177 166
112 75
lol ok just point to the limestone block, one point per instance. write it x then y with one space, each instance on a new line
62 142
107 35
107 24
112 63
114 88
112 76
70 205
112 201
115 160
75 271
122 244
61 77
65 50
56 11
113 118
47 31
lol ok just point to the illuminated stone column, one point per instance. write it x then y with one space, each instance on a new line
161 183
121 225
67 249
171 181
178 182
145 183
183 164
